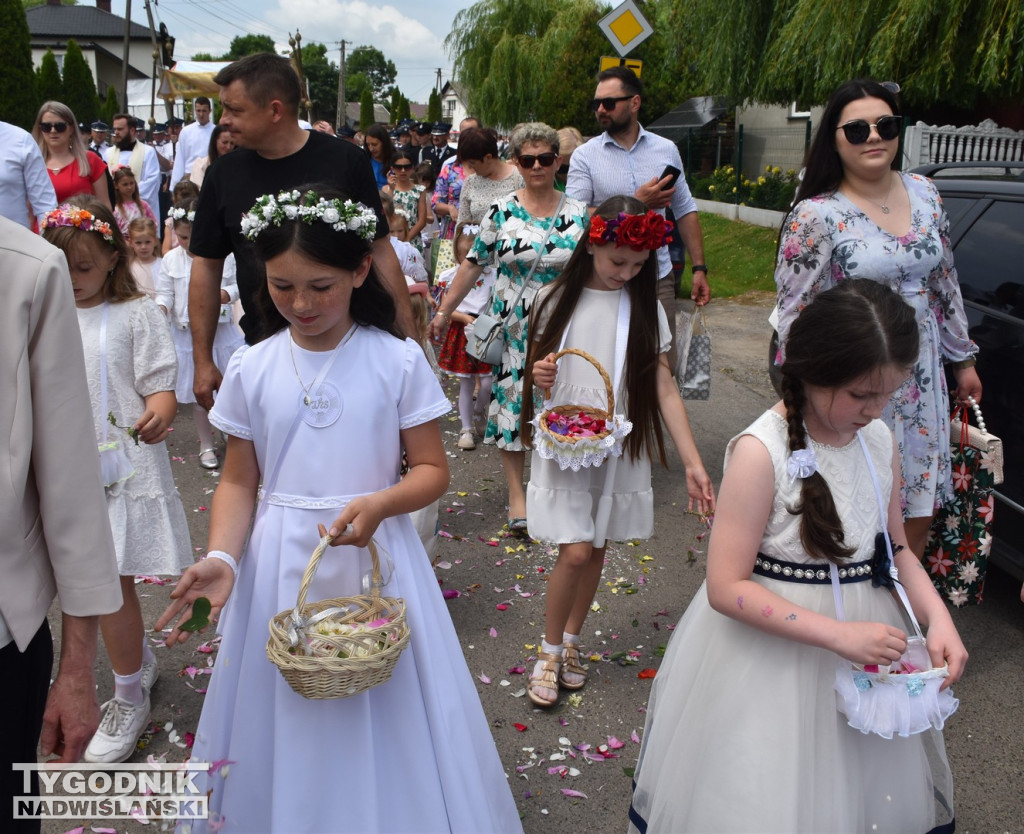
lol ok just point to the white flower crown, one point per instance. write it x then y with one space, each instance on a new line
178 214
340 215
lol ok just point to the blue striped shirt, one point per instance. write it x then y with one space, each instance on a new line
602 168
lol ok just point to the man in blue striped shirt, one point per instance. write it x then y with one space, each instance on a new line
626 159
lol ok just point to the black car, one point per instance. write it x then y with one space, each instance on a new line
985 205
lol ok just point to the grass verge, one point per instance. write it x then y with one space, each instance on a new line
741 257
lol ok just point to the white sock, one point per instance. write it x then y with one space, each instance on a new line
551 648
570 639
128 688
147 652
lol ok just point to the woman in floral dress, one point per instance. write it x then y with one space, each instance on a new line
858 216
512 236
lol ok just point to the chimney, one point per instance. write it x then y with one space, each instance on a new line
102 5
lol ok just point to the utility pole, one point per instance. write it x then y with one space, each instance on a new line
124 64
341 115
156 60
438 84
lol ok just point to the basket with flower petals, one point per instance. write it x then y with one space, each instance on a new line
578 436
338 647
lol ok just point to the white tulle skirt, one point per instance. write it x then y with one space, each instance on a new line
743 735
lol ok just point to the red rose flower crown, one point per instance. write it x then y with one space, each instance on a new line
637 231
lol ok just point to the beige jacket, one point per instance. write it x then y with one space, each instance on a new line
54 533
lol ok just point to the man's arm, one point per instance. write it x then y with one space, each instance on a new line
203 314
390 272
38 186
72 712
688 227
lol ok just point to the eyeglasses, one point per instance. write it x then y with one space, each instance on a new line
609 103
546 160
53 127
400 167
858 131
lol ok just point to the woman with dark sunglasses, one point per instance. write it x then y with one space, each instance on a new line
858 216
408 195
72 167
535 223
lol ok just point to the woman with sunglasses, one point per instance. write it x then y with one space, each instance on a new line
858 216
72 167
534 228
408 195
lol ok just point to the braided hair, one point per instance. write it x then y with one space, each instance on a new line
848 331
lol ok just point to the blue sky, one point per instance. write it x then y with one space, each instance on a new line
409 32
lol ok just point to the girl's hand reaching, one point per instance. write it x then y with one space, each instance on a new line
946 647
700 490
210 578
867 643
544 372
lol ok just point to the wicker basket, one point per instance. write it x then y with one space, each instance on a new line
337 665
577 452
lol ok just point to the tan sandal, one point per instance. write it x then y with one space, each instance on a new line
571 664
547 679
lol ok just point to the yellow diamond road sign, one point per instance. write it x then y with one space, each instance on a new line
625 27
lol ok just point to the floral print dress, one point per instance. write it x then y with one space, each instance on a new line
409 202
510 238
827 239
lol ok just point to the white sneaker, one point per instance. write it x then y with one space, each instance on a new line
120 728
466 440
150 673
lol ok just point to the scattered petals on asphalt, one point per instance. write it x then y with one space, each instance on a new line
516 670
615 744
483 678
574 794
501 606
646 674
634 737
493 632
451 593
522 728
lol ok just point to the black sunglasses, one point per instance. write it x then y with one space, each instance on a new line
608 103
399 167
858 131
546 160
50 127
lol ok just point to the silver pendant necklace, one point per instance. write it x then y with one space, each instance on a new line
884 205
307 398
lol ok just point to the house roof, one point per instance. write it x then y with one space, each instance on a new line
692 114
79 22
455 87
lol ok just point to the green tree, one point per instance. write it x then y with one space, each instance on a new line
434 107
204 56
322 77
355 85
366 109
29 4
243 45
942 52
403 109
395 104
49 87
110 106
378 70
17 79
79 86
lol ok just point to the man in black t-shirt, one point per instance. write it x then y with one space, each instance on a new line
260 97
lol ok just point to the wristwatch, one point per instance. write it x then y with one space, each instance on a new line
699 268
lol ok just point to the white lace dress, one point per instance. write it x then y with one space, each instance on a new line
743 734
146 517
561 504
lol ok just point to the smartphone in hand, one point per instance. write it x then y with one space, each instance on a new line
670 171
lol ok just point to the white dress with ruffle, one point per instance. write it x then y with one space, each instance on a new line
561 504
146 517
743 734
413 754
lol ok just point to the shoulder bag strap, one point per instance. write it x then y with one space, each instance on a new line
536 263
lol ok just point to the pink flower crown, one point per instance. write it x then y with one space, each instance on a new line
637 231
78 218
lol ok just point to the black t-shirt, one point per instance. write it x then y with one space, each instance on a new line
233 183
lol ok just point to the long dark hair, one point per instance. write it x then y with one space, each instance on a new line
379 132
642 357
212 151
371 303
823 168
848 331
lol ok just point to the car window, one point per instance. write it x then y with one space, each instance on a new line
956 206
989 258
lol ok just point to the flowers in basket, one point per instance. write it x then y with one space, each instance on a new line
575 425
355 639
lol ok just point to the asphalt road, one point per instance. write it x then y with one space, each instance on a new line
646 587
